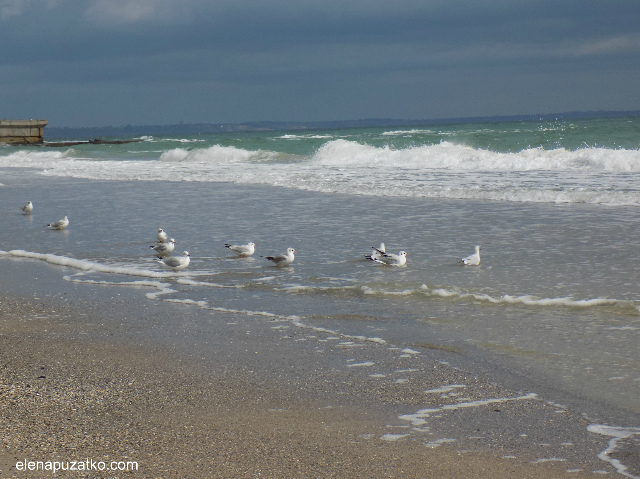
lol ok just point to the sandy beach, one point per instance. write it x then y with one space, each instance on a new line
91 374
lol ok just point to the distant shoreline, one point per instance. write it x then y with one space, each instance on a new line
132 131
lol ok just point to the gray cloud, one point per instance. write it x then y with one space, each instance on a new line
14 8
238 60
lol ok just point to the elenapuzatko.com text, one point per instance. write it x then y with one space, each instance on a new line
86 465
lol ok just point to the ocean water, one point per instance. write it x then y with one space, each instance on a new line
555 207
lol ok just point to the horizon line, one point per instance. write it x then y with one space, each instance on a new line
379 120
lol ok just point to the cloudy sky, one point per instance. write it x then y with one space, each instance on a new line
119 62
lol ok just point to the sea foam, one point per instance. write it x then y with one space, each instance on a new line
86 265
447 155
617 435
442 170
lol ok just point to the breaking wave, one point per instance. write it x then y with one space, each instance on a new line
444 170
446 155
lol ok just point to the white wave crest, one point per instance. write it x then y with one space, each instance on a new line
86 265
446 170
216 154
406 132
446 155
625 306
530 300
304 137
32 159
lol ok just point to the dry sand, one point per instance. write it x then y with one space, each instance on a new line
78 382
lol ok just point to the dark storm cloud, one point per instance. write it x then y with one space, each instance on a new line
283 60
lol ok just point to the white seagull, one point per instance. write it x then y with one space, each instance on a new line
28 208
162 236
379 251
60 224
283 259
473 259
390 259
176 263
242 250
164 249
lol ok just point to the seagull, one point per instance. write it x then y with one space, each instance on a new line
390 259
162 236
243 250
176 263
473 259
28 208
60 224
379 251
283 259
164 249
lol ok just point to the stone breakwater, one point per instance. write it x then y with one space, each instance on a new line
22 132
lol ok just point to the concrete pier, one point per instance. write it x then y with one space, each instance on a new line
22 132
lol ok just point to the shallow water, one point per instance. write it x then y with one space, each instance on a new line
555 297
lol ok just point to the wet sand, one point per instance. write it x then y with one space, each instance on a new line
102 376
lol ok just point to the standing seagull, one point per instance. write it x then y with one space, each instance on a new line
176 263
60 224
28 208
473 259
242 250
283 259
162 236
390 259
164 249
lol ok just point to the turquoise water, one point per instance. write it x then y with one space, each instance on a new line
582 161
500 137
